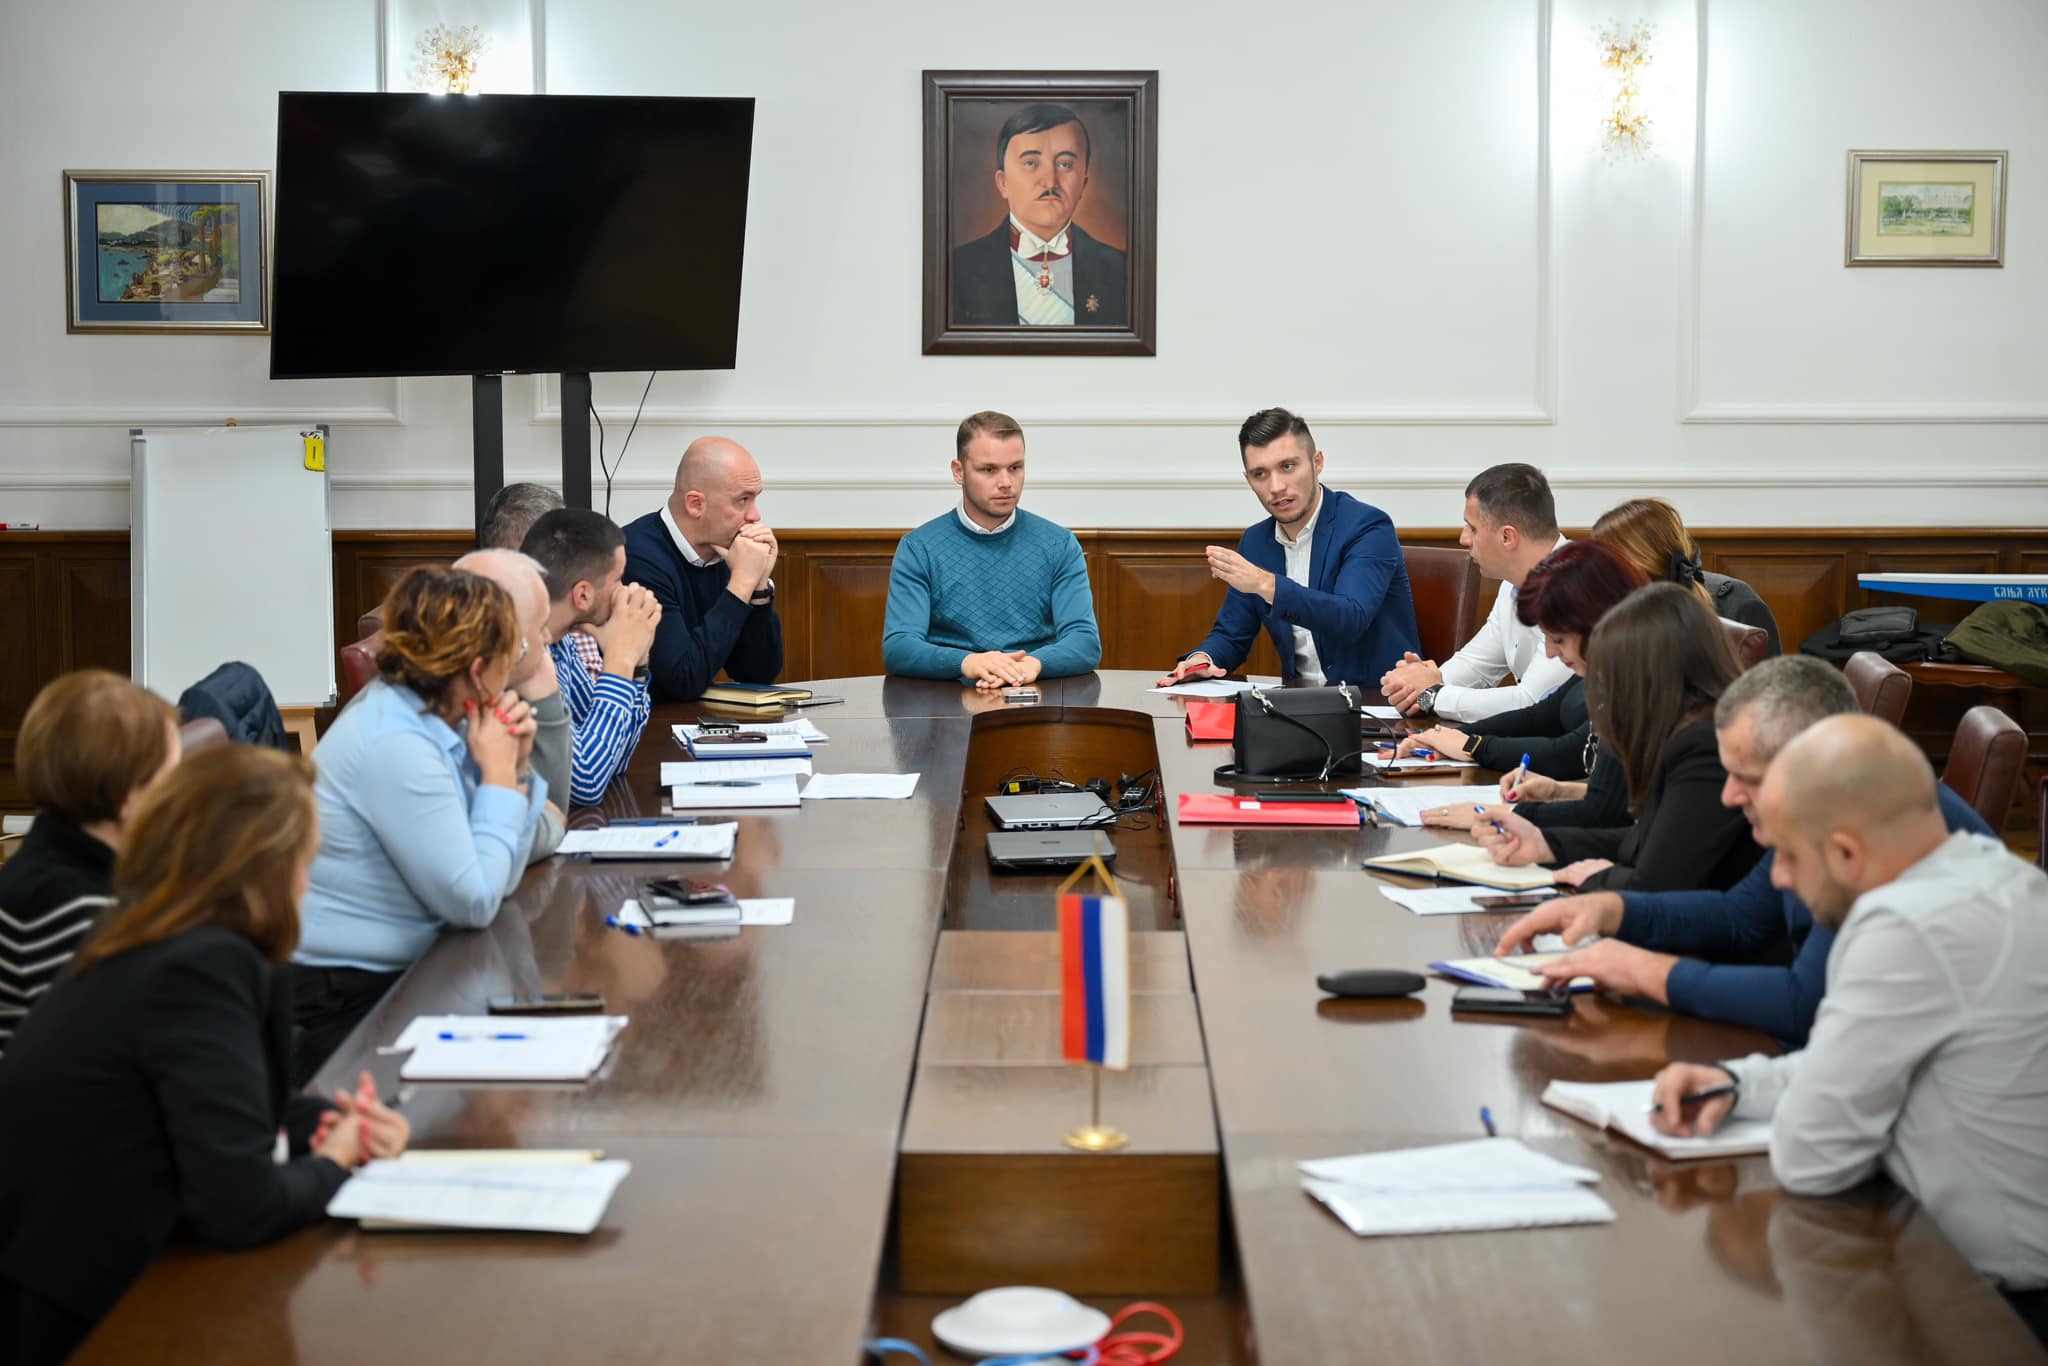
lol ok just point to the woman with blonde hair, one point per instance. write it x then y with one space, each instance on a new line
90 748
1650 535
428 804
148 1090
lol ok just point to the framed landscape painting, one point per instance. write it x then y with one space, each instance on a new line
1926 209
167 251
1041 199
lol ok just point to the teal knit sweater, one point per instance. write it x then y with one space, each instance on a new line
953 593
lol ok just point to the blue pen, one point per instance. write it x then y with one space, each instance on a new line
472 1038
1522 772
628 926
1486 1118
1495 824
664 840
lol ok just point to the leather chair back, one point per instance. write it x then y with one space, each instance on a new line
204 733
1984 764
359 664
1882 687
370 622
1446 588
1749 643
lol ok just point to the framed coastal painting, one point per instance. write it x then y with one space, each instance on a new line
1926 209
167 251
1041 198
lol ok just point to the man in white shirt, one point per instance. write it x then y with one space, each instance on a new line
1927 1059
1510 525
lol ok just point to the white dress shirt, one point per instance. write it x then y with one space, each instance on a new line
1929 1057
1308 666
1049 305
1503 646
978 529
668 519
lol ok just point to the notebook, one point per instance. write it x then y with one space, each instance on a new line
1461 863
737 793
678 773
1512 972
639 842
507 1048
803 728
1405 805
1373 1213
481 1157
1222 808
1624 1106
769 746
756 695
545 1197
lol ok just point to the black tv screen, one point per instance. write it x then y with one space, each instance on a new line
460 235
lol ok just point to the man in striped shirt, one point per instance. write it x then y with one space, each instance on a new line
583 555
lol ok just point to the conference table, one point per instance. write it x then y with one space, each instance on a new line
761 1089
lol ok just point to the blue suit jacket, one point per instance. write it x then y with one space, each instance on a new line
1357 605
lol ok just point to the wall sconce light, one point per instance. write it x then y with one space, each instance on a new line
447 57
1624 129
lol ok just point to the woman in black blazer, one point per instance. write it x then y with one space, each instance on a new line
146 1094
1657 664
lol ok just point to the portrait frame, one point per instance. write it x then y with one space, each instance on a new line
215 278
1926 209
960 107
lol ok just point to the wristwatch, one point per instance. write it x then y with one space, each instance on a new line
763 595
1426 699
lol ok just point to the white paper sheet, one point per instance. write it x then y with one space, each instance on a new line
511 1048
737 793
885 786
681 773
1203 687
1369 1213
1405 805
1474 1164
1382 713
713 842
772 910
544 1197
1439 900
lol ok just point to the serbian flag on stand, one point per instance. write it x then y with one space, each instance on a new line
1095 980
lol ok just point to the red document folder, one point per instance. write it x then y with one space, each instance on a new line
1212 720
1222 808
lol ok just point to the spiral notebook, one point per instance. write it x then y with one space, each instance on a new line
1373 1213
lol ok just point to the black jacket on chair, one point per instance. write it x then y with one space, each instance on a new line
143 1098
236 696
1683 839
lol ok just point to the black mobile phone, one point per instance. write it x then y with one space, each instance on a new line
1020 696
1330 797
735 737
691 893
1508 1001
548 1003
1509 901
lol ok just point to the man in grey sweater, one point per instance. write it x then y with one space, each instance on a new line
1926 1059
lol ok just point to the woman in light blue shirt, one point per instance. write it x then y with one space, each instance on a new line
427 803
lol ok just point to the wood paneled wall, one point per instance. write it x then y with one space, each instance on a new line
64 595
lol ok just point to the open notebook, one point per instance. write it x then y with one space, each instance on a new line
1461 863
543 1192
1624 1106
1487 1183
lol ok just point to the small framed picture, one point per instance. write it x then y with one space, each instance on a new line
167 251
1041 198
1926 209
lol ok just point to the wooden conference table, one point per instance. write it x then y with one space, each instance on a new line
760 1094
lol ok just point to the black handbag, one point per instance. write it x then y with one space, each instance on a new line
1296 734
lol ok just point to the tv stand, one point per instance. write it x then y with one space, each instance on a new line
487 439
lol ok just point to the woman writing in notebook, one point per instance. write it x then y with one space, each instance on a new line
428 805
1657 662
1569 780
150 1089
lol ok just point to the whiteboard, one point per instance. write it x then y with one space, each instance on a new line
230 559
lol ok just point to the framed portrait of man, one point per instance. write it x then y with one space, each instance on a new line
1041 196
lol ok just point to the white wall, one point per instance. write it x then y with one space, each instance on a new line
1683 325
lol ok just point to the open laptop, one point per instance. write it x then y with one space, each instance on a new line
1041 849
1048 811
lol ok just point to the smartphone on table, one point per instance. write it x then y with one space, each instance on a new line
548 1003
690 893
1513 901
1554 1004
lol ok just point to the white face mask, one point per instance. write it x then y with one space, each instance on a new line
1019 1320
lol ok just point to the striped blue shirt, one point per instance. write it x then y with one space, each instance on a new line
410 838
607 713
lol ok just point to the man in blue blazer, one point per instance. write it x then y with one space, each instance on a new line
1323 576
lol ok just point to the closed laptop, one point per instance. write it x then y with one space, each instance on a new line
1025 849
1049 811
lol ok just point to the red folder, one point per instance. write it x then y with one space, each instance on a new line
1222 808
1212 720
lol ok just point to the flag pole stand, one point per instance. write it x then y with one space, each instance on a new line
1095 1136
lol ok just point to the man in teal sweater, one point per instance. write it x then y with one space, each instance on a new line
989 593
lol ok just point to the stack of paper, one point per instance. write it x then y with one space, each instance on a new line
546 1196
801 732
1624 1106
679 841
1486 1183
508 1048
681 773
884 786
1203 687
769 910
1405 805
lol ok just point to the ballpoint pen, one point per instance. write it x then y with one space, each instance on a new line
1486 1118
727 782
628 926
1515 787
1711 1093
1495 824
476 1038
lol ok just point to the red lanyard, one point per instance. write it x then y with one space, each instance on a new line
1140 1347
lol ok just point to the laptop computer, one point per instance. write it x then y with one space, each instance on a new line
1041 849
1048 811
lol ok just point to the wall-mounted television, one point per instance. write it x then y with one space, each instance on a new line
466 235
